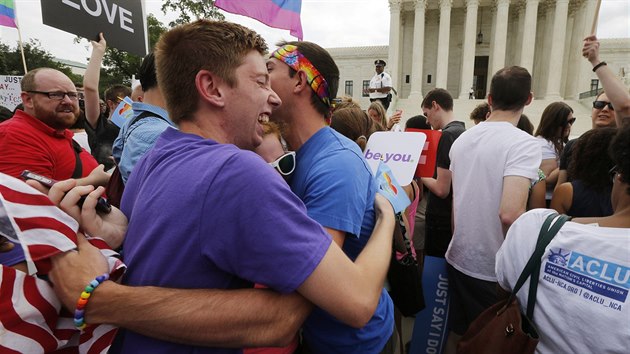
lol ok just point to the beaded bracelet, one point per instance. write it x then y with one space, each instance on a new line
79 319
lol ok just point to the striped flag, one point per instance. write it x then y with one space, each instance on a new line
32 319
284 14
7 13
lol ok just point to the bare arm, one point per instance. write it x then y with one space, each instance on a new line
91 80
563 176
513 200
225 318
537 196
357 286
441 185
549 166
615 90
5 244
338 236
562 198
244 317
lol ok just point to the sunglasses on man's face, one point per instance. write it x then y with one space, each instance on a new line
285 164
602 104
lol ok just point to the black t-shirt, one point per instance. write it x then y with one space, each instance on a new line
437 206
101 140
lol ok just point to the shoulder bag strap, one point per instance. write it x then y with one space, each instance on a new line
78 165
543 241
544 237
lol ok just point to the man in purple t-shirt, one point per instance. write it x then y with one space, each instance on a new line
206 215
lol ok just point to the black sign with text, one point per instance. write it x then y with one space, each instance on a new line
121 21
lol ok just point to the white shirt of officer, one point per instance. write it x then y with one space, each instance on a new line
379 80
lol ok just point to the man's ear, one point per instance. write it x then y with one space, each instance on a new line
489 99
210 88
530 98
27 100
301 83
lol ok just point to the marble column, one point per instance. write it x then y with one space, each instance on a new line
556 57
468 55
500 36
584 73
529 35
443 43
576 59
394 41
519 21
418 50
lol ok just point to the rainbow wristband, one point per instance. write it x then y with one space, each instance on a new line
79 313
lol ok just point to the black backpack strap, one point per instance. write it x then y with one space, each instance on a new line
139 117
78 165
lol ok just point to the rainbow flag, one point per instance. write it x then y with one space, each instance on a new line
284 14
7 13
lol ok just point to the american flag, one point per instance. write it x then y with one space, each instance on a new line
32 319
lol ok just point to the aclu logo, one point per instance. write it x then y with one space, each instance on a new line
387 156
600 269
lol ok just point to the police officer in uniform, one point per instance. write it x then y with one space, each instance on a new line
380 85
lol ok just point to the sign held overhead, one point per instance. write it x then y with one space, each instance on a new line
121 21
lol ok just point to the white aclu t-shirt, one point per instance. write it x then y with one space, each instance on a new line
582 303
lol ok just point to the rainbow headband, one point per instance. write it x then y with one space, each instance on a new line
290 55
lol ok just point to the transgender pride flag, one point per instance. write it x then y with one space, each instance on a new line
7 13
284 14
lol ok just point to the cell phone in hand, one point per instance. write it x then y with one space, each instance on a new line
102 205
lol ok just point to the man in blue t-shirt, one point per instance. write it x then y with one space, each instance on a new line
150 119
332 179
206 214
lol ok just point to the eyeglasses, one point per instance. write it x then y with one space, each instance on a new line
570 121
285 164
602 104
613 173
58 95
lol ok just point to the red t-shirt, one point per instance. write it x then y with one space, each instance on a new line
27 143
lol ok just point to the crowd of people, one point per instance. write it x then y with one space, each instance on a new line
249 220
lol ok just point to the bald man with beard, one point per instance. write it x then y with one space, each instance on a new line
37 138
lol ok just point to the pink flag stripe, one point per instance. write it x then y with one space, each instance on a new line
266 12
7 21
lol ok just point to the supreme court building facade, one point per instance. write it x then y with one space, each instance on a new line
460 44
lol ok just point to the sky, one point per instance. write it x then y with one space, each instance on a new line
329 23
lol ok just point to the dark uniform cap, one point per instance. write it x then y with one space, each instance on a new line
380 62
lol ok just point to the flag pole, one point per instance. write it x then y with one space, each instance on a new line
22 50
594 26
20 40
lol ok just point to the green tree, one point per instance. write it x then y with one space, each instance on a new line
190 10
36 57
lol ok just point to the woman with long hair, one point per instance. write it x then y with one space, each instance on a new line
376 111
553 132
